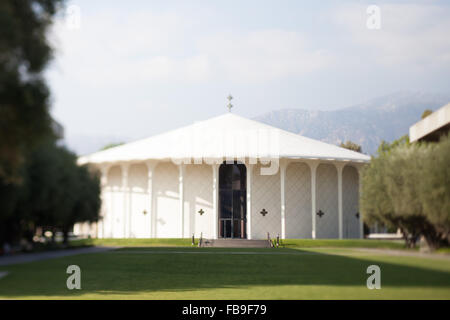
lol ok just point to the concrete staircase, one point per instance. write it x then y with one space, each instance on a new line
235 243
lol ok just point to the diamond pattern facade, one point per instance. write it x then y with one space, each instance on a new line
139 202
198 195
298 201
166 200
114 218
350 202
327 201
266 194
164 219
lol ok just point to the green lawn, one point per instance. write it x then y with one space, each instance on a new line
344 243
209 273
186 242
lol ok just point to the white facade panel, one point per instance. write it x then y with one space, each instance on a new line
118 225
198 195
139 202
327 201
350 199
265 195
115 205
298 201
107 220
166 201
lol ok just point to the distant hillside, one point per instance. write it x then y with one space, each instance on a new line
383 118
85 144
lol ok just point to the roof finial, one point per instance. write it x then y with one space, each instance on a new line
229 102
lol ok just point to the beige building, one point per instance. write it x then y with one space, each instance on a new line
432 127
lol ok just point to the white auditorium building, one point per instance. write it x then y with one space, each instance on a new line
228 177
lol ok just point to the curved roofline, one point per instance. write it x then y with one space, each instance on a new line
302 141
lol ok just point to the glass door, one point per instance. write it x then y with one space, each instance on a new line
232 201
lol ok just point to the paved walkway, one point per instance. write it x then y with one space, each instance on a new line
30 257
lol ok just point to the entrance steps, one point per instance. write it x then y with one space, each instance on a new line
235 243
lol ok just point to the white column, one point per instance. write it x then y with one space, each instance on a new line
103 183
125 192
361 222
181 192
129 206
215 169
249 200
313 166
283 200
340 167
150 167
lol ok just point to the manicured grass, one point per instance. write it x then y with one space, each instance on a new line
209 273
344 243
133 242
443 250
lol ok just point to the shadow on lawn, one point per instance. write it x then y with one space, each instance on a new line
135 270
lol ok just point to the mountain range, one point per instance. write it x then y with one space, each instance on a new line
367 124
383 118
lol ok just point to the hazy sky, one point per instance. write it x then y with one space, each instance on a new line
136 68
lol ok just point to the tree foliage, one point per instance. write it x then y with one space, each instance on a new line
24 96
434 187
40 182
55 193
112 145
351 146
426 113
407 186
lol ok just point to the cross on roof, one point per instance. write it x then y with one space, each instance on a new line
229 103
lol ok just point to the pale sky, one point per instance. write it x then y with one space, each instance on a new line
136 68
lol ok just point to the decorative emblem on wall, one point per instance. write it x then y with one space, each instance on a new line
201 211
357 215
320 213
263 212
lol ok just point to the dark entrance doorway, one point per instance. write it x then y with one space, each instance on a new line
232 201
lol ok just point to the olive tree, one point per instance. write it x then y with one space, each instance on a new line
434 191
351 146
407 186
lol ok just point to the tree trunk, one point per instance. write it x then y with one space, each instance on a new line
66 236
53 235
435 239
